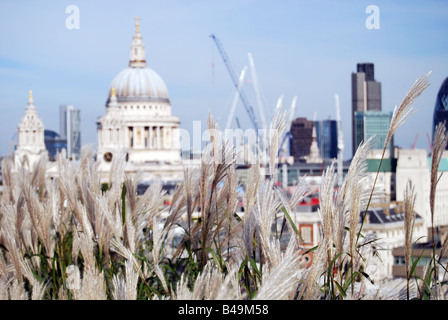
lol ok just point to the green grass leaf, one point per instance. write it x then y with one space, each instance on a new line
215 257
296 230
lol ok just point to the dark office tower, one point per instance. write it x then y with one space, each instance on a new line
441 107
302 137
54 143
366 94
368 69
327 138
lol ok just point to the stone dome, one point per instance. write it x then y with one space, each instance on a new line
139 84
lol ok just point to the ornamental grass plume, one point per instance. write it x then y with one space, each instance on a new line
93 286
119 288
132 276
439 146
440 141
17 291
405 110
339 213
277 127
400 115
267 206
211 284
409 221
282 280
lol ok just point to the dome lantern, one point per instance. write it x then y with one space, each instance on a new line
137 59
31 101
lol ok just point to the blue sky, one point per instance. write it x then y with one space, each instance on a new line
306 49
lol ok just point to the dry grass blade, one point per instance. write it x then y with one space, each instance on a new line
281 280
119 288
277 128
405 110
439 146
409 214
327 210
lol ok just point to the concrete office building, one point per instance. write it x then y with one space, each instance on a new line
387 223
415 166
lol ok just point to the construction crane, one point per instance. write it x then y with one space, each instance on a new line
340 141
288 135
415 142
257 91
235 98
234 78
279 103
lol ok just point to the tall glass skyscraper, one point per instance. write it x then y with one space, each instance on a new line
366 94
327 138
373 123
70 129
441 107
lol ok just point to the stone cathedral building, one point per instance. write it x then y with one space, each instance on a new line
138 123
30 137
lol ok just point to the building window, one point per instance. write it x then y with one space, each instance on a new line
400 261
131 136
146 137
306 231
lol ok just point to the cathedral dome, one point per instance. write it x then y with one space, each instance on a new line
139 84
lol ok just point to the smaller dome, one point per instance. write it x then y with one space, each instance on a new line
139 84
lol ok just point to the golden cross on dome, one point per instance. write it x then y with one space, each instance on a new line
113 92
137 25
31 94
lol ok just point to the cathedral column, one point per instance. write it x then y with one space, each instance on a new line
164 137
139 137
100 137
125 137
158 137
175 138
169 134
